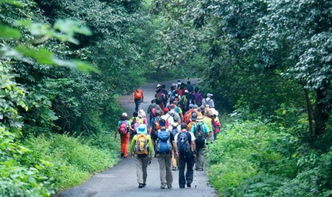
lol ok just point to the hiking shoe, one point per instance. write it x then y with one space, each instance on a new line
174 168
144 184
169 186
188 185
163 187
181 186
140 185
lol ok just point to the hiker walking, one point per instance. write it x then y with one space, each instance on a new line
200 131
198 97
208 101
216 123
141 146
142 116
124 127
164 155
152 109
184 144
138 98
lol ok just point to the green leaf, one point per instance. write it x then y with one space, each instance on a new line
7 32
84 66
42 56
11 2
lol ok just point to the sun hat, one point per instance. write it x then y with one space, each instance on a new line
200 118
142 129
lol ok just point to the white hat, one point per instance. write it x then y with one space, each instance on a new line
209 95
124 114
214 112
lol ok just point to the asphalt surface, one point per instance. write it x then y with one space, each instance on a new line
120 180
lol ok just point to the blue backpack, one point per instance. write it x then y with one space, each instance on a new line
163 143
184 143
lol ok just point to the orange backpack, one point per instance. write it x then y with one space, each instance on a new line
138 94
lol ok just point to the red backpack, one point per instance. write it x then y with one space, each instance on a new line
123 128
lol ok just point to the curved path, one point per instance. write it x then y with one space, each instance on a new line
120 180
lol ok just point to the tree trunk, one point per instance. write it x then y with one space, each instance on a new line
310 113
322 111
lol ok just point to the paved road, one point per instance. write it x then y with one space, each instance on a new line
120 180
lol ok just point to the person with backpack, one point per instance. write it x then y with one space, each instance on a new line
154 126
208 101
152 109
138 98
216 123
142 116
201 132
124 127
164 155
184 144
141 145
134 122
198 97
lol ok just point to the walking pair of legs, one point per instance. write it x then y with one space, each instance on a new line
186 177
166 177
141 166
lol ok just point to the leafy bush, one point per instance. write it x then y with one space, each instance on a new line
245 153
72 161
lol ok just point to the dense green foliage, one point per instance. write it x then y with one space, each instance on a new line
267 62
63 64
259 159
48 85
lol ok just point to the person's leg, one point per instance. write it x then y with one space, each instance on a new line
139 170
169 176
136 104
182 165
145 161
123 146
199 162
174 161
190 170
126 143
162 168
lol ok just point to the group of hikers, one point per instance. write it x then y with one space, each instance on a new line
178 125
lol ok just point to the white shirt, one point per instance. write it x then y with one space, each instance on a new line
191 134
169 119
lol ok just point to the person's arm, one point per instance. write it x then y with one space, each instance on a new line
151 149
175 145
212 103
193 144
132 144
142 96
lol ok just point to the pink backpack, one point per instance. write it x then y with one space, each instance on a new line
123 128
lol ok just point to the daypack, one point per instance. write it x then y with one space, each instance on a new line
160 96
184 141
123 128
138 94
141 146
163 144
155 127
199 135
